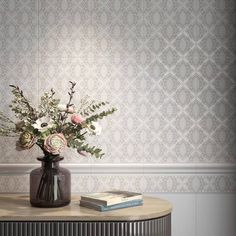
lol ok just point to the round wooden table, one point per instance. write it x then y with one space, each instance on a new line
18 218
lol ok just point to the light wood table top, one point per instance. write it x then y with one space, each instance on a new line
15 207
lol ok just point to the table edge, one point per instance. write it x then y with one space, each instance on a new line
92 218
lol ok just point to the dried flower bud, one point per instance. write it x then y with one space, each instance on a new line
77 119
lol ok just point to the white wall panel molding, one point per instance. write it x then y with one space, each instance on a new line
131 168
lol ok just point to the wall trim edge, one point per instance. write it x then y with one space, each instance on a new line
129 168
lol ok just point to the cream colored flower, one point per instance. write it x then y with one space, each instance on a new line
55 143
62 107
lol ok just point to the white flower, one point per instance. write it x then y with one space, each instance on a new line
94 128
62 107
43 123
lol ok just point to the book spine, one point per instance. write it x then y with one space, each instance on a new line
95 201
122 205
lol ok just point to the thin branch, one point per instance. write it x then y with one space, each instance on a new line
68 105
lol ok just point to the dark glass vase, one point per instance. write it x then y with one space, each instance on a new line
50 185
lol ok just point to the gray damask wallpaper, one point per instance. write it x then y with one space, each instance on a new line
167 65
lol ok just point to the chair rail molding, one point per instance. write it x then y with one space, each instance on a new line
128 168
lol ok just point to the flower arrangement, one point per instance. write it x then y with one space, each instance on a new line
54 126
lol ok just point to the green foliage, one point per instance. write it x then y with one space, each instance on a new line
21 106
7 131
49 105
73 132
5 119
92 107
7 126
81 147
100 115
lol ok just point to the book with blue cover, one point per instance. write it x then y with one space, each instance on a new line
103 208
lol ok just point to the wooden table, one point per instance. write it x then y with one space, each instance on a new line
18 218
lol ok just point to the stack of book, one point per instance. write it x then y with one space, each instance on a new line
111 200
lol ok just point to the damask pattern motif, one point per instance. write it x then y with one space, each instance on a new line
146 184
169 67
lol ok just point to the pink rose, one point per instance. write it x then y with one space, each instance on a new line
55 143
77 119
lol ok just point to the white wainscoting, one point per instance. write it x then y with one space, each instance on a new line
203 214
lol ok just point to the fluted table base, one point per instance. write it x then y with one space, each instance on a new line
153 227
